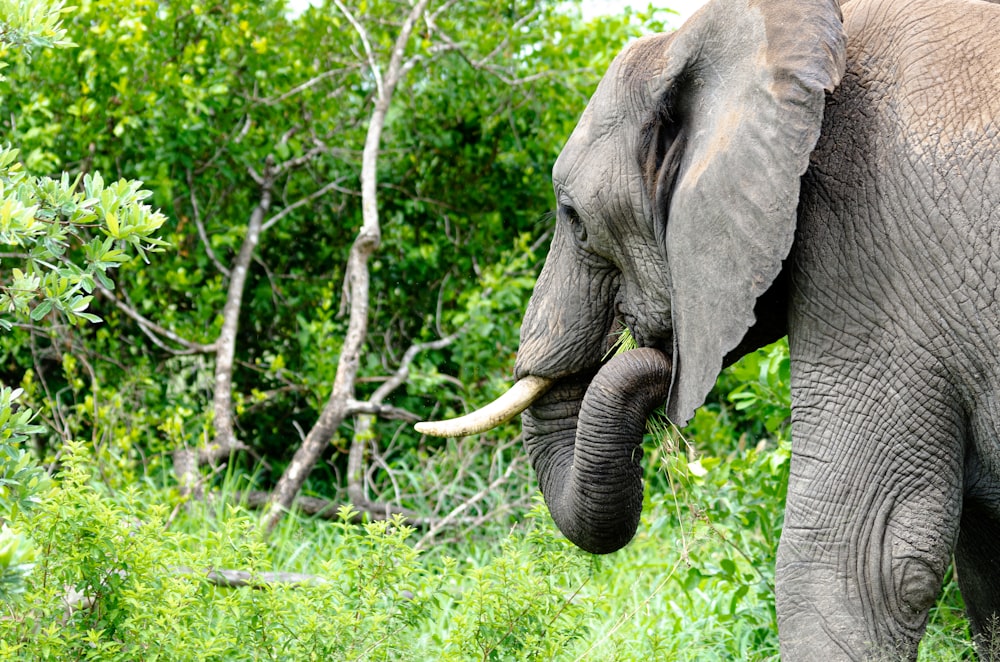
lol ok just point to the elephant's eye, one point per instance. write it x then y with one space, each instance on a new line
575 222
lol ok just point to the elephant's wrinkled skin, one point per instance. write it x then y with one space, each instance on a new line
757 173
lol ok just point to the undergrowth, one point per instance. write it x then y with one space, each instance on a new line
104 573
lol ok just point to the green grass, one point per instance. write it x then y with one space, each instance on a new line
695 584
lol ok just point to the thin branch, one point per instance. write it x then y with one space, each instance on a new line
246 127
514 29
501 73
365 42
403 372
542 75
302 87
468 503
431 17
235 137
331 186
497 50
355 407
152 329
330 510
242 578
202 234
302 159
416 197
186 463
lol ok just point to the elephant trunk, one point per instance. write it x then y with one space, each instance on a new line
584 441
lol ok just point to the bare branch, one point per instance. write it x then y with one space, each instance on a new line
329 510
300 160
542 75
153 330
302 87
242 578
452 45
226 344
366 243
256 176
468 503
331 186
396 62
365 42
431 17
202 234
403 372
237 136
504 74
246 127
355 407
186 463
514 29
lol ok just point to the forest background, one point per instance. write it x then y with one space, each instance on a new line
209 377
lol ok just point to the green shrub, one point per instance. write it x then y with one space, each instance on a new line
117 578
126 576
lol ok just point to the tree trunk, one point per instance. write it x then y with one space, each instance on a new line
367 242
187 460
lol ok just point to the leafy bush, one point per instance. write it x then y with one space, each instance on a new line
129 576
121 579
50 226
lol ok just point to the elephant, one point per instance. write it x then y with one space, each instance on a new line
811 168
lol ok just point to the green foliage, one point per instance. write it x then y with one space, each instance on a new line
48 223
17 556
195 101
695 584
526 604
751 402
764 391
22 480
30 25
121 579
46 219
106 561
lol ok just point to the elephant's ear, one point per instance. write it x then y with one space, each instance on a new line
742 87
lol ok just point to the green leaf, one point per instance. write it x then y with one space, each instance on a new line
112 221
41 310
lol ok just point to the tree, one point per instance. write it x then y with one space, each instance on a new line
249 127
341 402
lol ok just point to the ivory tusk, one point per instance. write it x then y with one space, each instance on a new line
507 406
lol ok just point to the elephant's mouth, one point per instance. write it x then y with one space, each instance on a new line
648 328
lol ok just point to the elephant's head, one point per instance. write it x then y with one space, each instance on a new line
677 197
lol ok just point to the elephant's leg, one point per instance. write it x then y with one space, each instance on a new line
977 559
874 500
